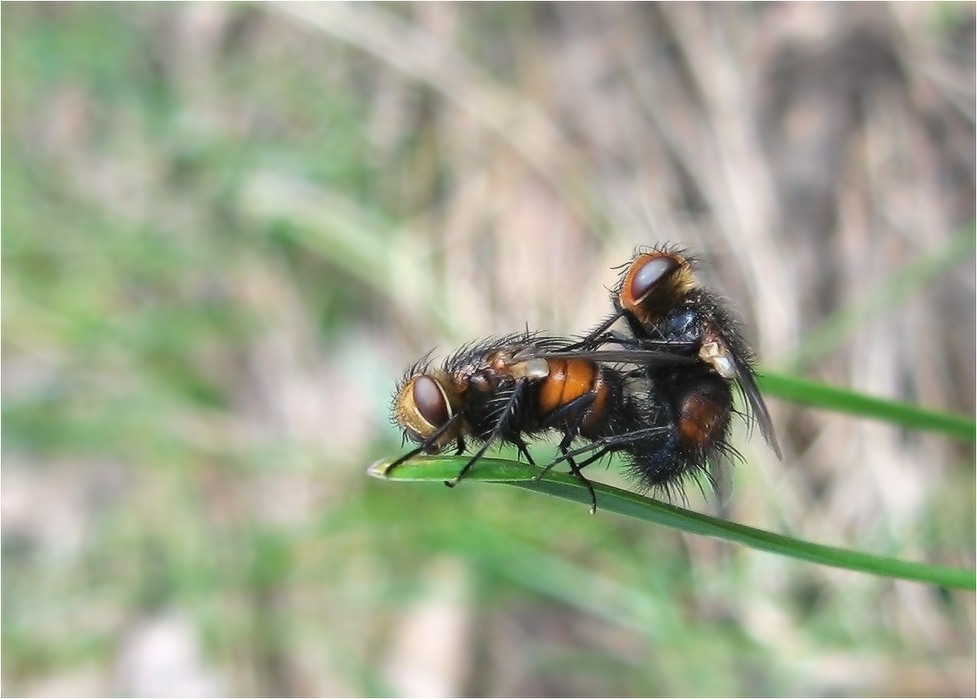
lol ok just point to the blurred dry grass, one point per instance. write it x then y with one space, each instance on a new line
228 228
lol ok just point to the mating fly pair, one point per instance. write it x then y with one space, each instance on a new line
659 394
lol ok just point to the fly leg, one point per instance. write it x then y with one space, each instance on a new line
426 444
523 449
597 336
496 432
571 416
568 436
604 445
601 336
575 470
460 446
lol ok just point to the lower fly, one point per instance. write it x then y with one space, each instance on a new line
665 425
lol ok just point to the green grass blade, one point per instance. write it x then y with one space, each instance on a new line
437 469
819 395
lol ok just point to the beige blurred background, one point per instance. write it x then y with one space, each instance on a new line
229 228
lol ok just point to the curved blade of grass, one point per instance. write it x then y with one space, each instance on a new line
427 469
820 395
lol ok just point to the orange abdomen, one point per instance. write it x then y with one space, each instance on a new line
703 414
568 380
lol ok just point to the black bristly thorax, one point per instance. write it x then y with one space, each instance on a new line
486 400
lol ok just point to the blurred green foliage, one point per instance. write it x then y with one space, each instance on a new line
195 382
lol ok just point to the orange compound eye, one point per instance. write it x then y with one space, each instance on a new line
647 272
430 402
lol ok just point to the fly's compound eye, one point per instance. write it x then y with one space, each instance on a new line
430 402
648 273
422 408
